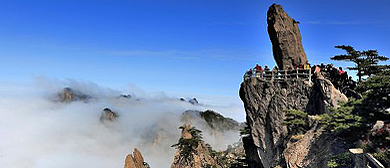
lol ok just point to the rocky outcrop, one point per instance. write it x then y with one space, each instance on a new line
193 101
265 101
330 95
135 160
214 120
285 37
192 152
126 96
69 95
108 115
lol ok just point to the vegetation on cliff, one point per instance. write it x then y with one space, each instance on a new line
188 145
297 121
355 119
192 151
366 61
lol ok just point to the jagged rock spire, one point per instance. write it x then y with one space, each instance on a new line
135 160
285 37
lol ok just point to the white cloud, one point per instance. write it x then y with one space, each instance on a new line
37 132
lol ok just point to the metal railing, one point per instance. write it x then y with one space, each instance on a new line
364 160
372 162
281 74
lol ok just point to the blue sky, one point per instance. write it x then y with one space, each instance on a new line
180 46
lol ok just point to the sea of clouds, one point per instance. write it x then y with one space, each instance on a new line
37 132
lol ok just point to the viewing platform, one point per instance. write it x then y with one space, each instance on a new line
305 74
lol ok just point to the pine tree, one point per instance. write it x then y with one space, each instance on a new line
366 61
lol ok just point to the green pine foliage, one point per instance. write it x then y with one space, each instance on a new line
296 120
342 119
366 61
340 160
188 146
376 93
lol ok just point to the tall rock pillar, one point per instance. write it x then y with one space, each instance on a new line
285 37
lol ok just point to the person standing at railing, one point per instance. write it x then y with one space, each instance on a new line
259 71
300 66
307 66
343 76
317 69
300 70
275 72
329 67
322 66
248 74
341 72
267 72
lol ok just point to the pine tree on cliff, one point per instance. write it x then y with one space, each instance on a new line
366 61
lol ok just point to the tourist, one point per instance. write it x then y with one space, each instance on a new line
307 65
322 66
248 74
329 67
275 72
341 70
259 71
317 69
267 72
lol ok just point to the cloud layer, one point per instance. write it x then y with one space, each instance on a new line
37 132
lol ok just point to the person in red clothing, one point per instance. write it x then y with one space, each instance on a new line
341 71
343 76
259 71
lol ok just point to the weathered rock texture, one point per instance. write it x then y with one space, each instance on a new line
214 120
285 37
199 156
69 95
135 160
107 115
265 101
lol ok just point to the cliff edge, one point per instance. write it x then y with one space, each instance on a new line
265 102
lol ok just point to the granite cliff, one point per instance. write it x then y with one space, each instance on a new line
268 140
265 102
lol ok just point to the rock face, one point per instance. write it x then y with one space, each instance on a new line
285 37
214 120
107 115
69 95
135 160
192 151
193 101
265 102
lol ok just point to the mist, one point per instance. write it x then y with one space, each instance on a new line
38 132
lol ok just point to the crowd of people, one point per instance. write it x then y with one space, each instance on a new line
260 72
337 76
